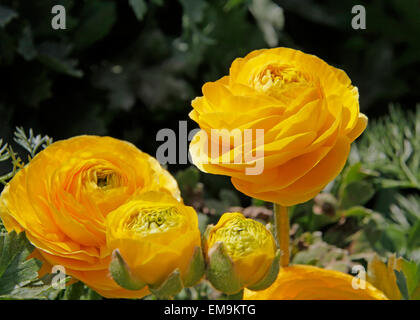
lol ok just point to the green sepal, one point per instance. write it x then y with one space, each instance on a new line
121 273
196 268
170 287
237 296
207 233
220 270
270 276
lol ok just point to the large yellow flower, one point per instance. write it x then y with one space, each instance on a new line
300 282
309 112
155 235
63 196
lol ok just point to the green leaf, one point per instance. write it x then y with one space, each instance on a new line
411 271
6 15
38 289
402 284
55 56
357 212
31 142
413 240
139 8
356 173
74 291
26 46
15 269
356 193
98 18
397 160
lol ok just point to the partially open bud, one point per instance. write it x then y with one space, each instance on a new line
156 242
240 253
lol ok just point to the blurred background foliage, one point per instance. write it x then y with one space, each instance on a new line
129 68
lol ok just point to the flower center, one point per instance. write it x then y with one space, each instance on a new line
103 180
149 220
274 79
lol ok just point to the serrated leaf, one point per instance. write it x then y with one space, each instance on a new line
41 289
398 159
15 269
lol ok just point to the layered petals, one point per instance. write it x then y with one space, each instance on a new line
307 110
301 282
62 197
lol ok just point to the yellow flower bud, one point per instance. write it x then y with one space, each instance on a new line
300 282
248 246
155 235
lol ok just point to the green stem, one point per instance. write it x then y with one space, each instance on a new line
281 219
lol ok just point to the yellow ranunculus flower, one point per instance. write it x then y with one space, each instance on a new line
250 248
155 235
309 112
62 197
301 282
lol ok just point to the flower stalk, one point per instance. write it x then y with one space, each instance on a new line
281 220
